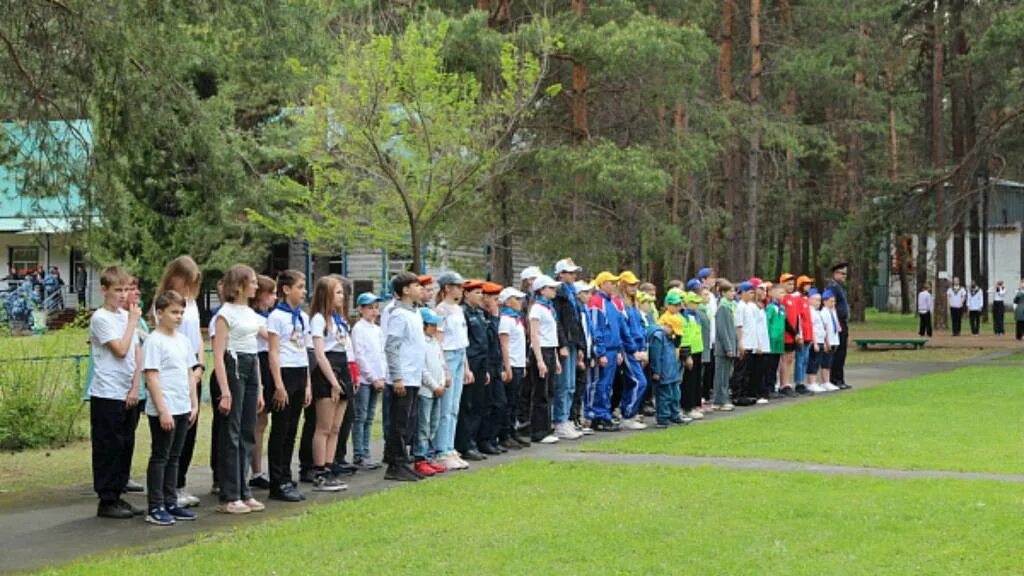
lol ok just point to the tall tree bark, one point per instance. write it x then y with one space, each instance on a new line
734 253
938 153
754 157
580 85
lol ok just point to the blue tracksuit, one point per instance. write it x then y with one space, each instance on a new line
635 382
610 334
665 365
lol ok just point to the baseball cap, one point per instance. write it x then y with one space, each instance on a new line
544 281
367 298
628 277
510 292
642 297
530 272
492 289
813 292
582 286
673 298
704 273
674 320
566 265
804 280
693 298
756 282
827 294
473 284
449 278
745 287
786 277
694 284
605 277
429 316
425 279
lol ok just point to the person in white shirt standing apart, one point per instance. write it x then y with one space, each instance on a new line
999 308
925 305
975 302
957 296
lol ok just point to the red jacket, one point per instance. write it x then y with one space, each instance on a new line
798 318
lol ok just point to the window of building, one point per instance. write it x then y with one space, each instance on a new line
24 259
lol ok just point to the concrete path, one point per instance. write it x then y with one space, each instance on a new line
62 526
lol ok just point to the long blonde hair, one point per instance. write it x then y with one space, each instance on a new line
184 273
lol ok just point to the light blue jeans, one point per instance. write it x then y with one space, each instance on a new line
427 420
800 364
565 387
444 439
366 406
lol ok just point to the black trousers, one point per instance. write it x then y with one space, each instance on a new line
1020 329
535 399
112 431
188 450
957 315
998 317
472 406
237 432
974 316
284 426
496 410
693 382
771 373
576 410
737 383
164 457
400 407
754 380
924 324
512 393
708 384
838 374
621 372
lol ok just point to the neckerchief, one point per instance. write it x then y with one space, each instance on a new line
570 292
510 313
264 313
339 323
547 304
296 314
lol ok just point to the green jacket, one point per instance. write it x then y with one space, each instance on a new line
693 337
776 314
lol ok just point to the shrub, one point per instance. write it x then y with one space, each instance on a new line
40 400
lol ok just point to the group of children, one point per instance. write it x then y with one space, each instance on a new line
466 369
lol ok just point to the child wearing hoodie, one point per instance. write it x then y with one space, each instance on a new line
664 363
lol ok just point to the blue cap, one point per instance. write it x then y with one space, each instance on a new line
827 294
429 316
367 298
745 287
812 292
694 284
704 273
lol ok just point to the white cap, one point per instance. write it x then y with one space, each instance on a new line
582 286
566 265
509 292
544 281
530 272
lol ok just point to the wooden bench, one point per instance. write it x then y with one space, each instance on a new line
913 343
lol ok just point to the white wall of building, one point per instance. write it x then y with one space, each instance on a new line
53 251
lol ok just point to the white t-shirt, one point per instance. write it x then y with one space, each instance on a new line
764 343
173 358
750 325
452 327
112 376
243 327
368 352
819 317
294 338
548 326
831 321
335 337
956 297
516 339
261 343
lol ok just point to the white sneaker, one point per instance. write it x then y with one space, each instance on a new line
566 431
549 439
632 424
817 389
695 414
583 430
452 461
762 400
830 387
186 500
727 408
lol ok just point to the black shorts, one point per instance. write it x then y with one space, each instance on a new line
791 347
339 365
825 359
813 361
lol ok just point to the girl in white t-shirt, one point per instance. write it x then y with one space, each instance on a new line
238 380
512 337
545 363
330 336
455 340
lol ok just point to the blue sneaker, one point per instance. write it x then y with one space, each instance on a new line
179 513
160 517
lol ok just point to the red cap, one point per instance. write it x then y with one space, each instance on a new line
492 289
426 280
755 281
473 284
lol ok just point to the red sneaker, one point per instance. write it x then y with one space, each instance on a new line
423 468
438 467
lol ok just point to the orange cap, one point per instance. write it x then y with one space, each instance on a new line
473 284
492 288
804 280
786 277
426 280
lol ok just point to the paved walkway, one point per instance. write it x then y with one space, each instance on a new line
63 527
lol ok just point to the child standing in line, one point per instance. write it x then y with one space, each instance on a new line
368 350
512 337
288 333
474 395
545 365
241 393
406 352
262 304
726 346
329 334
435 382
776 317
831 321
168 361
692 350
757 378
746 336
454 342
496 404
819 345
587 374
113 392
665 366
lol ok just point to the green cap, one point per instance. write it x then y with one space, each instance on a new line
693 298
673 298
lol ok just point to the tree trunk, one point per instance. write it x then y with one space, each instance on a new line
501 249
905 259
735 251
937 145
754 157
416 238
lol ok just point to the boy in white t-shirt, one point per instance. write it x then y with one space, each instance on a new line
113 393
167 361
512 337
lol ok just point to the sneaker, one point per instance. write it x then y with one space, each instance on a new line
566 431
695 414
586 430
423 468
510 444
788 391
255 505
438 467
133 486
803 390
727 408
328 483
523 441
814 389
400 473
830 387
661 424
286 493
368 464
449 461
113 510
215 488
181 513
233 507
306 476
762 401
632 424
186 500
844 386
260 482
549 439
135 510
160 517
680 419
606 426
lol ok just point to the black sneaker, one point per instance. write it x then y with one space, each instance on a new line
489 449
510 444
368 464
648 410
286 493
306 476
135 510
113 510
844 386
260 482
344 469
401 473
802 390
523 441
605 426
473 456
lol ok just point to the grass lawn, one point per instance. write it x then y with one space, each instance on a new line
536 517
963 420
856 356
888 321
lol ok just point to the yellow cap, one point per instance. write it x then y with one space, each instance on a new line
604 277
674 320
628 277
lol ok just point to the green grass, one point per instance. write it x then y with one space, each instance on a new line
963 420
888 321
855 356
537 517
1015 357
